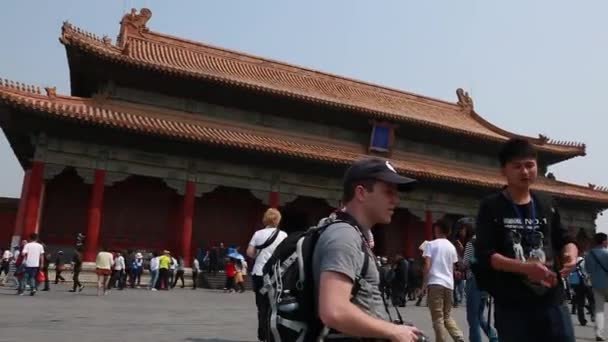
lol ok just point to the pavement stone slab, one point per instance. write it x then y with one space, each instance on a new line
141 315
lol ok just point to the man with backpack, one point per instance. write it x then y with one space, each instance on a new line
522 253
345 274
596 263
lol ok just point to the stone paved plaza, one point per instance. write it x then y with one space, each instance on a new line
140 315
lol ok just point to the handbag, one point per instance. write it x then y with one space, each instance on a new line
40 277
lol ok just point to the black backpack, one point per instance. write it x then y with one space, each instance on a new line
289 287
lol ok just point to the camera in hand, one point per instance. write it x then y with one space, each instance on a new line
421 336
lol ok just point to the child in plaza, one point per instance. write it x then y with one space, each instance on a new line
230 270
241 269
137 267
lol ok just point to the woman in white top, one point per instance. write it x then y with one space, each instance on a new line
104 264
262 245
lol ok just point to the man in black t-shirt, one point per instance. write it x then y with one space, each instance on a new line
523 252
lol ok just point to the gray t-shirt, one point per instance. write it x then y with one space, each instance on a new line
339 249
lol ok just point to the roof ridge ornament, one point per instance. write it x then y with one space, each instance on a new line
543 139
138 20
464 100
51 91
133 22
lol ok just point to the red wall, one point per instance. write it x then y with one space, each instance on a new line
402 236
138 213
7 225
143 213
64 211
227 215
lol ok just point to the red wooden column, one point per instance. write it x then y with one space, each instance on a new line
409 244
40 207
428 226
273 199
186 223
18 231
95 213
33 196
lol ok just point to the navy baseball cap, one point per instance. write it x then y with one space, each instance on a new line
376 168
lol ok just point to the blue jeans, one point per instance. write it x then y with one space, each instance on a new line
153 278
458 291
29 277
476 304
534 323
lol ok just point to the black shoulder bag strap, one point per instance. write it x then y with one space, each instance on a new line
367 253
269 241
598 261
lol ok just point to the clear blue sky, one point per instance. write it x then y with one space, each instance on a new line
532 66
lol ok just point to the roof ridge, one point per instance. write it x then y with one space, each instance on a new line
590 186
568 143
596 188
541 140
67 27
385 89
20 87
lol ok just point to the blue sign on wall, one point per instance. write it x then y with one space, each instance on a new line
380 138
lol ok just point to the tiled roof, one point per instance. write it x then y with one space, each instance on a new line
191 128
138 46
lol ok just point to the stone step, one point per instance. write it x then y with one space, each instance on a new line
217 282
206 280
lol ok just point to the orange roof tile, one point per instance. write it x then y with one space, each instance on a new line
139 46
183 126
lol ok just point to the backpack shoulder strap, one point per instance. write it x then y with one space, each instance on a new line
544 202
364 269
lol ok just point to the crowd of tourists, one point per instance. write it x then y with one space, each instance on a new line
514 258
513 267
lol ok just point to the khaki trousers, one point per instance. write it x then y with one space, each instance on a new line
440 300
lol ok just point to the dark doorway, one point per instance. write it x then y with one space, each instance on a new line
303 213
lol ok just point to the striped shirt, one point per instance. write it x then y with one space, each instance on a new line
469 257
